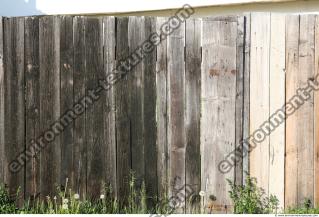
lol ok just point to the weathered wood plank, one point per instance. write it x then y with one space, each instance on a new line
218 97
176 122
292 67
1 103
14 104
316 119
192 109
277 100
32 100
161 113
109 126
305 114
239 99
79 78
259 98
123 122
49 42
66 95
149 110
95 116
246 120
136 33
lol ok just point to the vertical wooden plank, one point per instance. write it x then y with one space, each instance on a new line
122 99
259 98
66 94
292 67
32 100
109 126
277 100
79 86
218 100
95 115
14 103
161 112
176 125
246 120
305 114
316 119
239 97
1 104
149 110
192 109
136 31
49 36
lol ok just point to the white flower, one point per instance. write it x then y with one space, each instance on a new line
65 206
202 193
65 201
102 196
76 196
55 198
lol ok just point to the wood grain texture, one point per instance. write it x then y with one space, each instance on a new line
66 97
95 116
109 111
192 109
32 100
79 161
176 123
149 111
123 122
2 94
277 100
218 99
316 119
49 43
161 112
259 98
14 103
292 67
136 35
246 109
305 113
239 121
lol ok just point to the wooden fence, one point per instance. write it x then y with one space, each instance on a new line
173 118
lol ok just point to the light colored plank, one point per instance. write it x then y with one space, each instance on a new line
259 96
192 109
218 96
161 113
305 114
277 100
176 125
292 67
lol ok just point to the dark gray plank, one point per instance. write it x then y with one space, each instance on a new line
95 116
79 86
32 98
192 109
176 124
66 95
49 36
14 101
109 111
1 104
239 100
149 107
161 113
136 35
122 99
